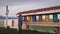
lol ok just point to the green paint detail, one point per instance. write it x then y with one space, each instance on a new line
55 18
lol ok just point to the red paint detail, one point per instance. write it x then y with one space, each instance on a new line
40 18
25 18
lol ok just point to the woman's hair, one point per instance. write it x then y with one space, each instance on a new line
19 15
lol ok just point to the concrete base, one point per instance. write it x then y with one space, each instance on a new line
57 30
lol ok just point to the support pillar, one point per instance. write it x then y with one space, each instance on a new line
25 23
25 19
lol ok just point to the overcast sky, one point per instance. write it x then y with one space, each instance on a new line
16 6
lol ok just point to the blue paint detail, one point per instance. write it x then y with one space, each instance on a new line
34 18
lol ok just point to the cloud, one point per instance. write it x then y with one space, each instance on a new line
21 5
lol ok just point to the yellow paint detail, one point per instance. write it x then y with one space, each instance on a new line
47 18
29 18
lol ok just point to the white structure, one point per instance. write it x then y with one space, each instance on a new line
7 11
15 24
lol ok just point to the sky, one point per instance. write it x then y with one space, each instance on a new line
16 6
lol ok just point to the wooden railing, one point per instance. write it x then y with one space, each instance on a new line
45 24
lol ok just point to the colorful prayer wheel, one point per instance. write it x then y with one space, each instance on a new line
40 18
55 18
34 18
29 18
47 18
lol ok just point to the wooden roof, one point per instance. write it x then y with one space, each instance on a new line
39 10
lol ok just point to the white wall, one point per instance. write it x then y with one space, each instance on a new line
10 23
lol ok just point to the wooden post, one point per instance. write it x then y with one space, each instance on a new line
25 22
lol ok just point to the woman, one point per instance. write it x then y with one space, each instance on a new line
20 24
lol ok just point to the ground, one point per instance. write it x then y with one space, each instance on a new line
42 28
14 31
32 30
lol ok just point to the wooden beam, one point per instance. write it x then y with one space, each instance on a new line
44 12
45 24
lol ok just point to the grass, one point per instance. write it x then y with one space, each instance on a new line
34 31
7 31
14 31
1 23
43 28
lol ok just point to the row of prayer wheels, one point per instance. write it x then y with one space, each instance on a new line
33 18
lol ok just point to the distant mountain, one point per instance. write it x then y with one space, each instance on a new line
12 18
3 17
